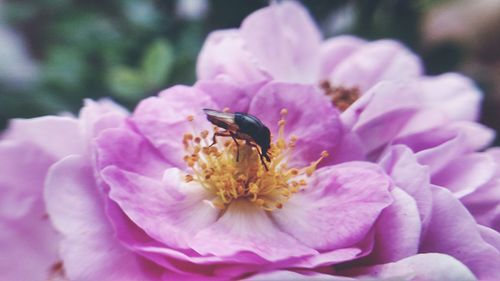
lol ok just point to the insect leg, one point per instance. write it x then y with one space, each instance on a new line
220 134
237 147
260 154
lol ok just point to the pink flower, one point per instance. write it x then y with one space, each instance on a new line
155 203
379 86
348 195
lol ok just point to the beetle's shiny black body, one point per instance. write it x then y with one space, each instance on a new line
242 126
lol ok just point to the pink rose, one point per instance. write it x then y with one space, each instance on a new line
349 195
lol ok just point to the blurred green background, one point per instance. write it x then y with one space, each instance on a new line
54 53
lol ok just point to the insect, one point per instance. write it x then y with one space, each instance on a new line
242 126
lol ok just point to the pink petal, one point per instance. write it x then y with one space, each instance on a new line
398 229
338 208
484 204
285 41
23 167
438 147
89 249
466 174
28 242
402 166
428 267
375 62
310 117
377 121
224 56
97 116
291 275
128 151
163 120
171 211
454 94
226 94
246 228
453 231
57 136
335 50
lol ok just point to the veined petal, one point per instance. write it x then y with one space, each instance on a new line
171 211
310 117
453 231
89 249
225 57
245 228
375 62
338 207
289 47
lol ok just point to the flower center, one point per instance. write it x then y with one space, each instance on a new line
218 171
341 97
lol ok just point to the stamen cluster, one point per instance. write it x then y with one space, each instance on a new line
217 170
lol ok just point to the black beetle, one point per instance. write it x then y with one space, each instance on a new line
242 126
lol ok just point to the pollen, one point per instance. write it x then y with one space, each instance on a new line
217 169
342 97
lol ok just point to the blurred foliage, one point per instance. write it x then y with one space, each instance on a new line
129 49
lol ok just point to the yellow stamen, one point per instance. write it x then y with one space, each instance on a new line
217 170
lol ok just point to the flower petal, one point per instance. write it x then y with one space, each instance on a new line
310 117
224 56
338 207
335 50
89 248
428 267
129 151
171 211
375 62
453 94
285 41
28 241
438 147
402 166
246 228
377 121
397 230
163 120
58 136
466 174
453 231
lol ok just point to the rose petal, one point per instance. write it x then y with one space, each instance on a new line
246 228
398 229
89 248
310 117
338 207
25 232
402 166
57 136
466 174
335 50
224 56
171 211
288 46
428 267
453 231
438 147
375 62
23 167
163 120
454 94
291 275
226 94
129 151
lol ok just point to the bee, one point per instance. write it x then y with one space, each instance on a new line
242 126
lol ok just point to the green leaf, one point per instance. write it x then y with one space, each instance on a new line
157 63
126 83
